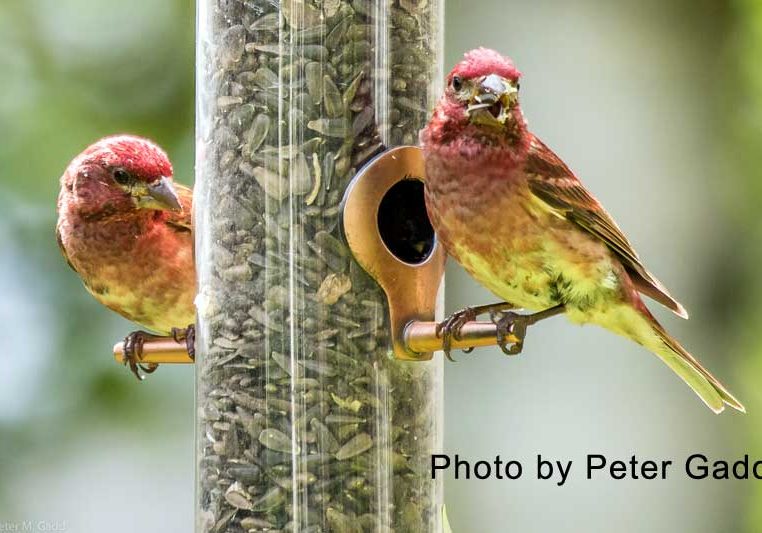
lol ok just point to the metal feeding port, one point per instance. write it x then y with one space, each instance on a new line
388 231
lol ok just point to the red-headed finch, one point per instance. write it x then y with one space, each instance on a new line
520 222
125 227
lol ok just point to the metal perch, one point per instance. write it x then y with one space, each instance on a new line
420 337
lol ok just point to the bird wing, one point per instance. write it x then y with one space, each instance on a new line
181 221
552 182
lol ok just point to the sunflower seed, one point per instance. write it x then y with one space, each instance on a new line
237 497
276 440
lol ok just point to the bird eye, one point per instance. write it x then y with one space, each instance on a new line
518 86
121 176
457 83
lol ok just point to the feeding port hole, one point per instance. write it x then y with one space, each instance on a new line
403 223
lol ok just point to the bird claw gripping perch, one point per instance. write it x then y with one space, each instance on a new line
450 328
510 323
187 335
512 327
143 351
133 353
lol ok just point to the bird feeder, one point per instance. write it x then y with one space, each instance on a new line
319 400
306 419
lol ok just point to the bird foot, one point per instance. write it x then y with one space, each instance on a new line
450 327
133 353
188 335
510 324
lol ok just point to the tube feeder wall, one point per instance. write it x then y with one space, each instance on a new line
306 421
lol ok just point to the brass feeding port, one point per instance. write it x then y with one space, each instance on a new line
385 224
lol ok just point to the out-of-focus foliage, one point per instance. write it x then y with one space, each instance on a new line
743 107
71 72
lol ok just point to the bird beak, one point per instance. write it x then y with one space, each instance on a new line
160 195
492 100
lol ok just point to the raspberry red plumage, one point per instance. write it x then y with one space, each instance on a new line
483 61
142 158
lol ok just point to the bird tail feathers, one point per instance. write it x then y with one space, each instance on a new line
713 393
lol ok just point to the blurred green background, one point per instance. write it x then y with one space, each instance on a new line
658 107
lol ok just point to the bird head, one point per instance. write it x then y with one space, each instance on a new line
122 173
481 96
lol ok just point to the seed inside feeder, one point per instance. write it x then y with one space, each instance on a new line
305 423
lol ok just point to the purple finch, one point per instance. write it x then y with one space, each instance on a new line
125 227
520 222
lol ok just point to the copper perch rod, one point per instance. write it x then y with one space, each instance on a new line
161 350
421 337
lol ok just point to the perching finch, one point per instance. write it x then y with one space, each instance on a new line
550 246
125 228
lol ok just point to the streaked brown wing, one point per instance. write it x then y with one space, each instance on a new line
552 182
